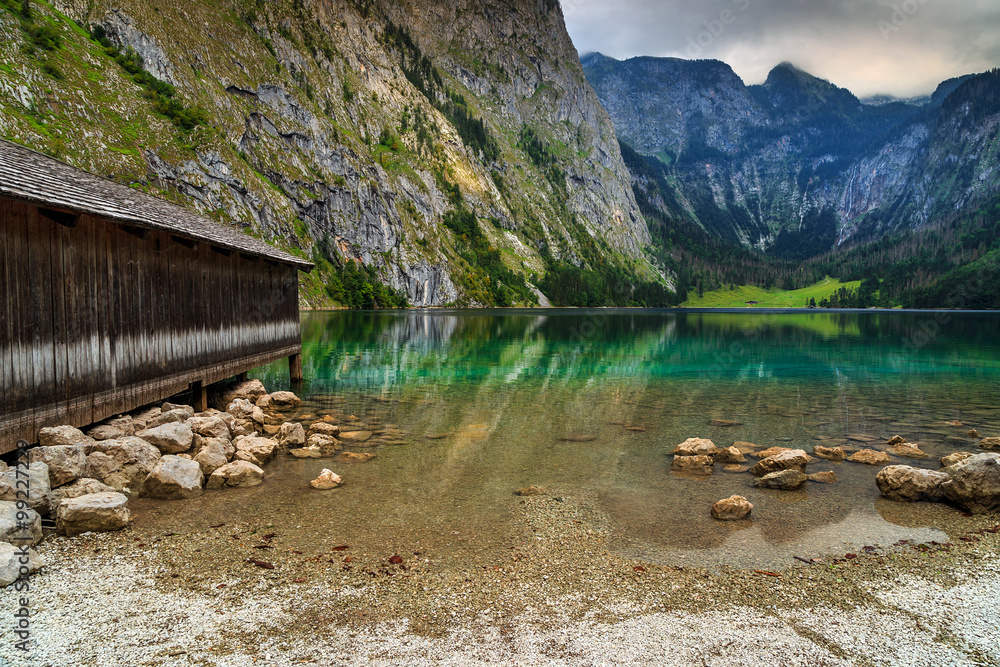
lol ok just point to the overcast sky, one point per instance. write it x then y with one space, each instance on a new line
899 47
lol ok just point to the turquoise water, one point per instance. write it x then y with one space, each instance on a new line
476 404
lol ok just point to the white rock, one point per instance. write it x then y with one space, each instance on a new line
235 474
291 433
19 526
37 480
212 456
241 408
65 462
174 478
171 438
258 451
210 426
122 464
94 512
17 561
77 488
55 436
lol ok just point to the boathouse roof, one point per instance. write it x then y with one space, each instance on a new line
39 179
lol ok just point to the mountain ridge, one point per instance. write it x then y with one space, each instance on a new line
779 165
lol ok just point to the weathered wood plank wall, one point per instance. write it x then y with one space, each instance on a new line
98 318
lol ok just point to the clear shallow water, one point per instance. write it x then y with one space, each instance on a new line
486 402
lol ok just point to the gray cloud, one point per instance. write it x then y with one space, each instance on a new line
900 47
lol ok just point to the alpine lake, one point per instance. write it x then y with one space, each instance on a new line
466 407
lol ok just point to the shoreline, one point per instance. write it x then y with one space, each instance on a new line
559 597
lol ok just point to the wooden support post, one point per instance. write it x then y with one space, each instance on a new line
242 377
199 396
295 367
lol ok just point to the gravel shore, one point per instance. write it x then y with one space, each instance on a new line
250 594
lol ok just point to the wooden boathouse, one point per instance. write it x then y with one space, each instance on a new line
112 299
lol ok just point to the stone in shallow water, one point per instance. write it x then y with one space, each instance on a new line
323 428
355 436
730 455
825 477
830 453
696 447
291 433
733 508
532 491
952 459
311 452
909 484
327 480
870 457
910 450
699 465
238 474
790 459
735 468
771 451
351 457
990 444
895 440
975 483
785 480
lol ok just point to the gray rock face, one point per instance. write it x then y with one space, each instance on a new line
909 484
975 484
93 512
123 33
174 478
700 116
19 527
785 480
37 480
13 559
237 474
65 462
170 438
122 464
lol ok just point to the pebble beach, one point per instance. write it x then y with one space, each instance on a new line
254 594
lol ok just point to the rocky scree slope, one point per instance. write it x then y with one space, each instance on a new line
450 150
796 166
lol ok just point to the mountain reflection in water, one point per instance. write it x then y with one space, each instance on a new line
593 402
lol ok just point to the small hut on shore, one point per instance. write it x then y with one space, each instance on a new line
111 299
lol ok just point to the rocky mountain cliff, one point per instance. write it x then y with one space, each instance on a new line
452 150
797 165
